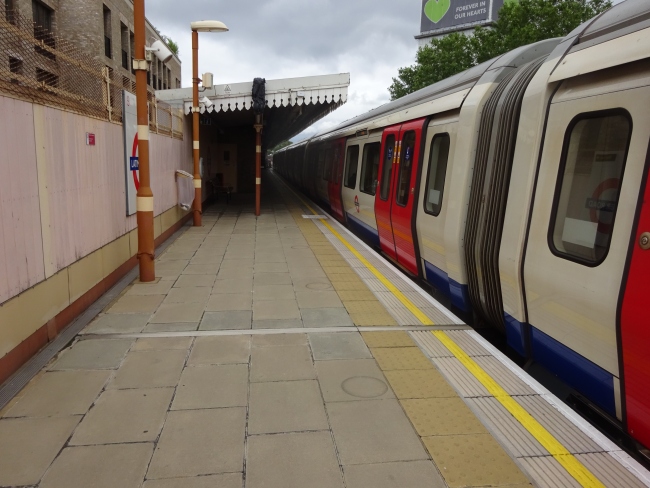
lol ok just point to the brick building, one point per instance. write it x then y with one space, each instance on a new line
101 28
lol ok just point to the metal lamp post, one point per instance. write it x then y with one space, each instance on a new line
200 26
145 195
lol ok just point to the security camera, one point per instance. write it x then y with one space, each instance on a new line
161 51
207 102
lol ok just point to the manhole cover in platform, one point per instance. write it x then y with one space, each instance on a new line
318 286
364 387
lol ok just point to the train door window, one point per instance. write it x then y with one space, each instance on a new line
593 160
405 168
438 156
351 164
370 168
388 167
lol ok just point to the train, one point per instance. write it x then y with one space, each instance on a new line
519 190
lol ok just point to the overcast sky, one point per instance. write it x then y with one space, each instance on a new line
370 39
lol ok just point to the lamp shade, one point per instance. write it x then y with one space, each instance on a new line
209 26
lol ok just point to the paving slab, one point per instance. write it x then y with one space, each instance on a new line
178 312
264 340
162 343
226 320
326 317
273 292
188 295
396 358
419 383
136 304
338 345
150 369
192 281
407 474
220 350
159 288
235 274
201 269
124 416
200 442
473 460
236 263
241 285
442 416
229 301
281 363
93 354
261 278
309 271
270 258
28 447
318 299
212 387
229 480
286 406
122 465
296 460
172 327
373 431
275 310
271 268
172 255
277 324
352 380
118 324
59 393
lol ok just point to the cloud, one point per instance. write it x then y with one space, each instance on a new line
274 39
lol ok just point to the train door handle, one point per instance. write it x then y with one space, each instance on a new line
644 241
412 191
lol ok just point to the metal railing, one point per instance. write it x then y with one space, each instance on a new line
49 70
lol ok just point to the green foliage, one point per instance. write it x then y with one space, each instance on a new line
520 23
173 47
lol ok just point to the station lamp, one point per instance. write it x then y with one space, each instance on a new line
199 26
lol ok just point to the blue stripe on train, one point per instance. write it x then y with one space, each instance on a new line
575 370
362 229
457 293
516 334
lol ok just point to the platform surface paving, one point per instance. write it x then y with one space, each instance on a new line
266 355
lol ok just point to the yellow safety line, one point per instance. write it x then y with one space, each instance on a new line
574 467
422 317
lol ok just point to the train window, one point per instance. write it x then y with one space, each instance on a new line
405 169
321 164
351 164
438 156
388 167
593 160
370 168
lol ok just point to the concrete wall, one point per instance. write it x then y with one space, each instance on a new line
63 223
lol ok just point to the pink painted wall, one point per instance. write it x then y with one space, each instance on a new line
21 252
85 194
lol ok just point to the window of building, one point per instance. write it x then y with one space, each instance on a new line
108 48
405 169
593 160
178 83
132 50
43 27
370 168
387 170
351 165
124 38
438 157
10 14
15 66
46 77
155 81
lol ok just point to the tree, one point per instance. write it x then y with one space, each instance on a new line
519 23
280 146
173 47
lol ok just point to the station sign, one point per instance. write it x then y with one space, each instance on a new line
131 166
444 15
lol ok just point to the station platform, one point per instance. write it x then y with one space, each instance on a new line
281 351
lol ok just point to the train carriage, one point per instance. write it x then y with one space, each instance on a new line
518 188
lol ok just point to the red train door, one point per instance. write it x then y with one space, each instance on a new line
335 180
635 329
389 150
396 197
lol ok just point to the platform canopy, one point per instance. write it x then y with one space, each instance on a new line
292 104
